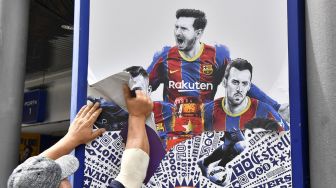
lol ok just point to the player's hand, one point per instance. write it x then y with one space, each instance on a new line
139 106
284 111
80 130
263 123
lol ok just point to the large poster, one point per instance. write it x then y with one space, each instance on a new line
218 73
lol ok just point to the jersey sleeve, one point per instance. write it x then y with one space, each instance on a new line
207 115
222 60
256 93
267 118
164 117
272 114
156 69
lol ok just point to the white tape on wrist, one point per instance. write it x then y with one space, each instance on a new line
134 164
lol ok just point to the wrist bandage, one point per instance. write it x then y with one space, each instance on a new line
134 164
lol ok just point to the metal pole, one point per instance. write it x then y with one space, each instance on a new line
321 78
13 41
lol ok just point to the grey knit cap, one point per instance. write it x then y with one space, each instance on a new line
41 172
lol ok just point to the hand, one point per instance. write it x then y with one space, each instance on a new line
236 135
65 183
263 123
140 106
284 112
80 131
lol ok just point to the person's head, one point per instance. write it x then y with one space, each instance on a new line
41 172
189 28
237 81
27 152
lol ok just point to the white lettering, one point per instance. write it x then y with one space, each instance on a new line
203 86
189 86
171 84
30 103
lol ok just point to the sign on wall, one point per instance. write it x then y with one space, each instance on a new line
34 106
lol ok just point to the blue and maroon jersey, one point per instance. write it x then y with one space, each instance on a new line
217 118
164 117
197 77
178 119
180 76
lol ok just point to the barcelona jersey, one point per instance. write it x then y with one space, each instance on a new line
217 118
177 122
181 76
169 120
197 77
164 117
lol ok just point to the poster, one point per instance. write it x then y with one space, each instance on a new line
122 35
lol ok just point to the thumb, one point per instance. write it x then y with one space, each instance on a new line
97 133
127 92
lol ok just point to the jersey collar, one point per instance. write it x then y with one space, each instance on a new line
192 58
238 114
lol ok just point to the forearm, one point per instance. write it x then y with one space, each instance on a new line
133 168
80 131
257 93
62 147
137 135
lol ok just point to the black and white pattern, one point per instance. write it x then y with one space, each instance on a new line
266 162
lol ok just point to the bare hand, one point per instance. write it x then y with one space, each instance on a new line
80 131
139 106
65 183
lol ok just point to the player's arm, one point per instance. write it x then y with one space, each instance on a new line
164 116
207 115
272 114
257 93
271 120
155 70
222 60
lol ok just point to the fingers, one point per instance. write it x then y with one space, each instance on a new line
283 107
140 94
81 111
143 96
97 133
86 110
94 116
149 101
127 92
92 110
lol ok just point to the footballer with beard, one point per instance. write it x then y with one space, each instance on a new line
235 113
192 68
190 71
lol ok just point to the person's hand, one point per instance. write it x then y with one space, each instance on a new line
80 131
65 183
140 106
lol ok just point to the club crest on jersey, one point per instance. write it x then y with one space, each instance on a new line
159 127
207 69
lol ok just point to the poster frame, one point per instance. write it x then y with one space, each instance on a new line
297 85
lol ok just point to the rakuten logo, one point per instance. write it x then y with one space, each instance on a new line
187 86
